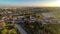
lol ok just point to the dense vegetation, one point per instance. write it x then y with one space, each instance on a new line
34 27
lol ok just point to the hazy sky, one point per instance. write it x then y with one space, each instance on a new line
36 3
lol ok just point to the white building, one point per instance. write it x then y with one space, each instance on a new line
47 15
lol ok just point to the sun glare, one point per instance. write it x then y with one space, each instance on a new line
57 3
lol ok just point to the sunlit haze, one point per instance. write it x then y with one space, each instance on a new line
30 3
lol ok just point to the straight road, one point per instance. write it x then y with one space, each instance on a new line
21 30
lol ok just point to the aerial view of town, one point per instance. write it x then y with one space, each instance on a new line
29 16
30 20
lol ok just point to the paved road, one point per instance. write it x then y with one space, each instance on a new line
21 30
